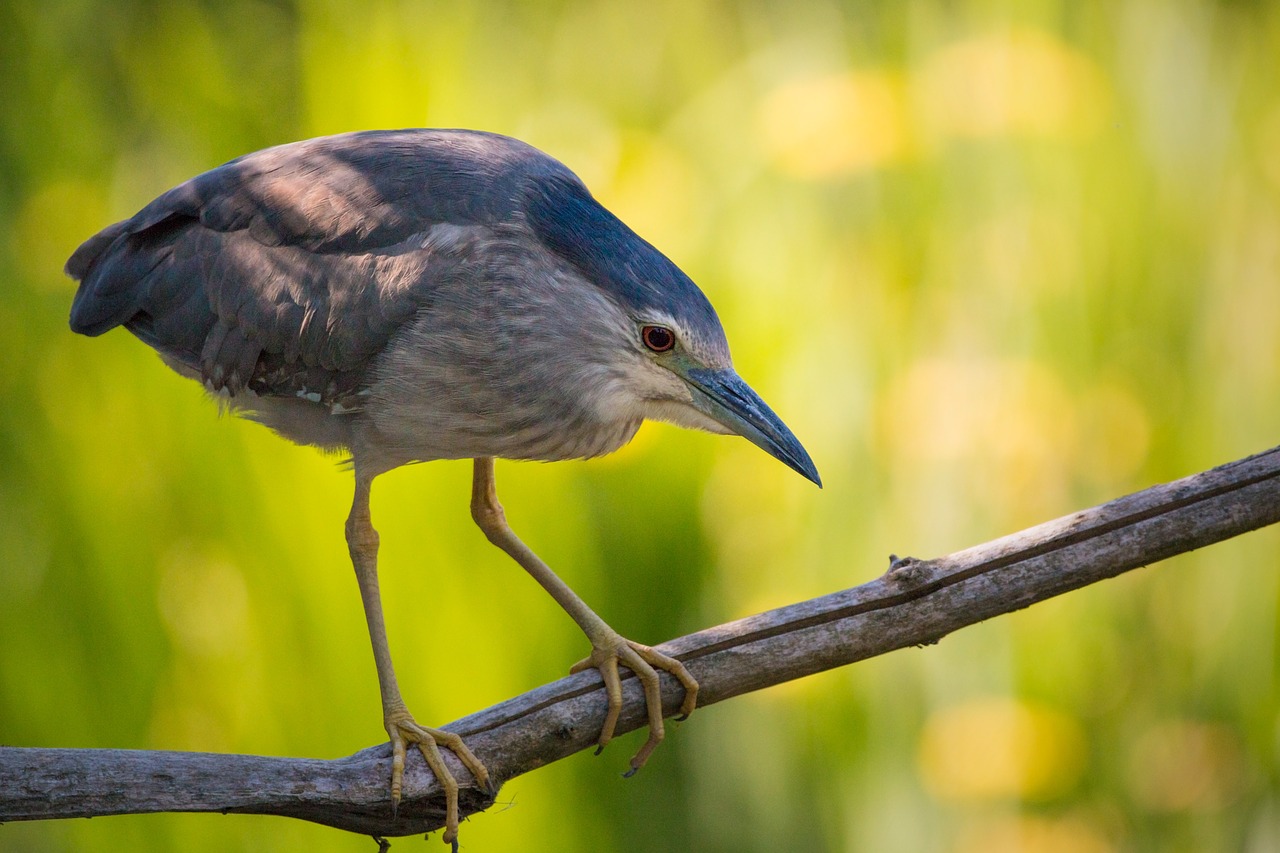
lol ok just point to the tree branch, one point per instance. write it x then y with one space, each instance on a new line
916 602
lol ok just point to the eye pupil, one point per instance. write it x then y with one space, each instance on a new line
658 338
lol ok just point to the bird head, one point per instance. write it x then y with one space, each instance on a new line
697 387
675 355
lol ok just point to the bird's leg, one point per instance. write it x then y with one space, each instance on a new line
362 540
608 647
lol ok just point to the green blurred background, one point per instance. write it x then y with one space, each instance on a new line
993 262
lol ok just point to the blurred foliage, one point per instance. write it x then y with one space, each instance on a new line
993 262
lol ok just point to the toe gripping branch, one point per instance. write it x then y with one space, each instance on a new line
644 661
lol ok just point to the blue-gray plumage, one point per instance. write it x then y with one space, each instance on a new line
427 294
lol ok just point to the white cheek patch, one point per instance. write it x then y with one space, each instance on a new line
684 415
655 393
629 394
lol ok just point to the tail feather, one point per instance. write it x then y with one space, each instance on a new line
114 268
91 313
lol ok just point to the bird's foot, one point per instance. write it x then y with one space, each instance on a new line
404 730
612 649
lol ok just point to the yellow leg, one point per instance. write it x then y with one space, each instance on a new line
608 648
362 541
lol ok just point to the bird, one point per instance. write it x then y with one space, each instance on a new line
404 296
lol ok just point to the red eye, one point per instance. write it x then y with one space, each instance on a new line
658 338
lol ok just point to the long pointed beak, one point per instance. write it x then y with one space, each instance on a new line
724 397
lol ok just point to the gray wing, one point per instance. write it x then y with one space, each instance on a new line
288 270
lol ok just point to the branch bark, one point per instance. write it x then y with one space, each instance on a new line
916 602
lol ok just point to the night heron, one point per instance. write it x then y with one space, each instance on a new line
428 294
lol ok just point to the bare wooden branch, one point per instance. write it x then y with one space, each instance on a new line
915 602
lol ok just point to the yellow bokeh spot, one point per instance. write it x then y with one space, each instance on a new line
1268 145
834 125
1017 82
204 603
1000 748
1115 435
944 409
1023 834
1010 427
1186 765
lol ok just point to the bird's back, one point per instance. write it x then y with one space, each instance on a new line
287 270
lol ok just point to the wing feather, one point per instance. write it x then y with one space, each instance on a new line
297 264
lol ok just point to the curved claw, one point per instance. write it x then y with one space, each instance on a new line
404 730
610 651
